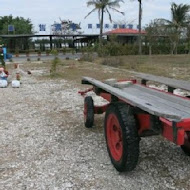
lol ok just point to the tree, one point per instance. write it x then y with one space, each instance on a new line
103 6
151 34
21 26
155 33
179 21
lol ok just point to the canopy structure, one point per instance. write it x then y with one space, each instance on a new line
76 38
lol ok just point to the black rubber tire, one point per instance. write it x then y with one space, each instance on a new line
90 112
131 139
186 146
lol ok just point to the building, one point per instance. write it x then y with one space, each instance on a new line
124 35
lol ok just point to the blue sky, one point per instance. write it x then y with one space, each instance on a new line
46 11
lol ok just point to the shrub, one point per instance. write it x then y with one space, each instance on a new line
54 64
117 49
112 61
54 52
48 52
39 52
89 57
64 51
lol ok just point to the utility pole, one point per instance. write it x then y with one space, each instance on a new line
140 19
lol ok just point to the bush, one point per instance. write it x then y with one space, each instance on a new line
54 64
54 52
112 61
117 49
89 57
64 50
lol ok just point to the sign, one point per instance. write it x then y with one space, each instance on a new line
130 26
57 27
97 25
122 26
89 26
11 28
73 27
107 26
42 27
115 26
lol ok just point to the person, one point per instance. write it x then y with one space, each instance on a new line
2 56
3 75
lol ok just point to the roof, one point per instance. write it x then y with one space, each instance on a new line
124 31
47 35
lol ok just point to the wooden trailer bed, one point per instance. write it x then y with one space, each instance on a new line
153 101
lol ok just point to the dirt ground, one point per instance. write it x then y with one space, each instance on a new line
45 146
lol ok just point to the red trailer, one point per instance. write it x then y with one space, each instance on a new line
136 110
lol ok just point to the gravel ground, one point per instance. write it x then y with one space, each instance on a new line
44 145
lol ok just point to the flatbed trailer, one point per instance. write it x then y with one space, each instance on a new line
135 110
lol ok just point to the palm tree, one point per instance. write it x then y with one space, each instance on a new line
140 26
179 21
103 6
140 19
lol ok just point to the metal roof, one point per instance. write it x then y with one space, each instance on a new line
47 35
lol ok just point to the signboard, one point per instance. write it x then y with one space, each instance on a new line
130 26
122 26
115 26
97 25
89 26
107 26
73 27
11 28
57 27
42 27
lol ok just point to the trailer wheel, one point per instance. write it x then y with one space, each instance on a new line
121 137
186 146
88 112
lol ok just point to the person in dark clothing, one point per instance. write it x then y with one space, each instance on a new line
2 56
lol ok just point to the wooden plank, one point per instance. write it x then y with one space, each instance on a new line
122 84
146 102
181 84
171 98
173 104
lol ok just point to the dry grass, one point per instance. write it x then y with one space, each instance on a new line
163 65
177 66
74 70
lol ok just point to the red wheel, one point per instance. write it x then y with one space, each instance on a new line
114 137
121 137
88 112
186 146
